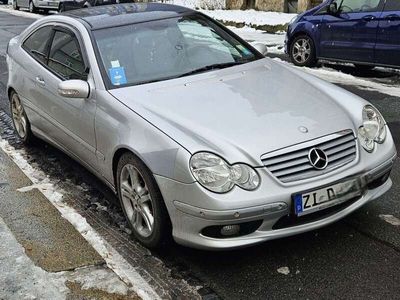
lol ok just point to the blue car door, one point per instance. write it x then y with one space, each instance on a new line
351 33
387 50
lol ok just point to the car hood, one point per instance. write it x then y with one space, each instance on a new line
242 112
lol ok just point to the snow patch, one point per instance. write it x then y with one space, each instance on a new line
8 9
283 270
251 17
338 77
113 259
390 219
40 186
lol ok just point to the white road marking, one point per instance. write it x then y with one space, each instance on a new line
390 219
114 260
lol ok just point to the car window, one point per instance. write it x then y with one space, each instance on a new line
65 57
350 6
165 49
392 5
36 43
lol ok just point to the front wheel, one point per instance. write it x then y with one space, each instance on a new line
302 51
142 202
20 119
61 8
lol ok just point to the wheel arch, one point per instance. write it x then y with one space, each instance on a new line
10 89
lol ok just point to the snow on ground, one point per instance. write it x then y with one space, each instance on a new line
251 17
10 10
20 277
390 219
114 260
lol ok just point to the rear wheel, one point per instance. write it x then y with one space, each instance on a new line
15 5
142 202
20 119
32 7
302 51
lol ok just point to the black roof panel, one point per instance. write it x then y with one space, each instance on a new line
129 13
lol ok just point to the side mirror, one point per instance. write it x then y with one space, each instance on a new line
333 9
74 89
262 48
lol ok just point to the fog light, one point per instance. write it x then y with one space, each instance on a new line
230 230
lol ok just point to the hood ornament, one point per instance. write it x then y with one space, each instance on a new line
303 129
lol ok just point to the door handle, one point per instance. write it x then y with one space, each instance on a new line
368 18
393 17
40 81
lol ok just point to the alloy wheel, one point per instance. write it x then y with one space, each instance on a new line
137 201
301 50
19 116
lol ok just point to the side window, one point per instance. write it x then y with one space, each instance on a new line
36 44
349 6
65 58
392 5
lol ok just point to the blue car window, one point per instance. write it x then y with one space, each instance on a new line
392 5
355 6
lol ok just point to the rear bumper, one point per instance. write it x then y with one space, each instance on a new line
190 221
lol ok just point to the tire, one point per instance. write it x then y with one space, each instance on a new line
21 122
61 8
302 51
15 6
142 202
364 67
32 8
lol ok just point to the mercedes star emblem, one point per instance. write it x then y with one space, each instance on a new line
318 158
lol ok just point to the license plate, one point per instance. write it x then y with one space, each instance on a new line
306 203
52 3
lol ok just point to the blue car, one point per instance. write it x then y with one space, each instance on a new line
363 32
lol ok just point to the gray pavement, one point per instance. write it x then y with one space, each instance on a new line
357 258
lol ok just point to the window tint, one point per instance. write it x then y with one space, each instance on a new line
349 6
65 57
392 5
37 42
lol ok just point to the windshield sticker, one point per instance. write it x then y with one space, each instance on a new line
115 64
117 76
244 50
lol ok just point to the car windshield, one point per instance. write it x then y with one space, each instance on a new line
166 49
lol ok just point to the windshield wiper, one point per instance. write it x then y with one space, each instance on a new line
212 67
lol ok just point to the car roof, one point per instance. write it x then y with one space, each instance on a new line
128 13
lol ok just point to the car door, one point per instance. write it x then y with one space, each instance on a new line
387 50
72 120
350 34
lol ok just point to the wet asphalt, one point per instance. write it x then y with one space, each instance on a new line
356 258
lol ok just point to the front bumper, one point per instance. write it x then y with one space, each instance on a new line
189 221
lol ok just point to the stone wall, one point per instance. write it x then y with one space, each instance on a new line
271 5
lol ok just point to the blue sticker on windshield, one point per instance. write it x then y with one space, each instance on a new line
117 75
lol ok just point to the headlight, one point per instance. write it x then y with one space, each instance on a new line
373 129
215 174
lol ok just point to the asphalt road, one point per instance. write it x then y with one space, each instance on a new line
356 258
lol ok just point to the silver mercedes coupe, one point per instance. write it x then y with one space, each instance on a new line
202 137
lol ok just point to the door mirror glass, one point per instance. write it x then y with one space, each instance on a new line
74 89
333 9
262 48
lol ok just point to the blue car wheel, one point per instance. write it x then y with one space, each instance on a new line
302 51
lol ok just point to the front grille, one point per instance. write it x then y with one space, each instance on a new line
292 163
